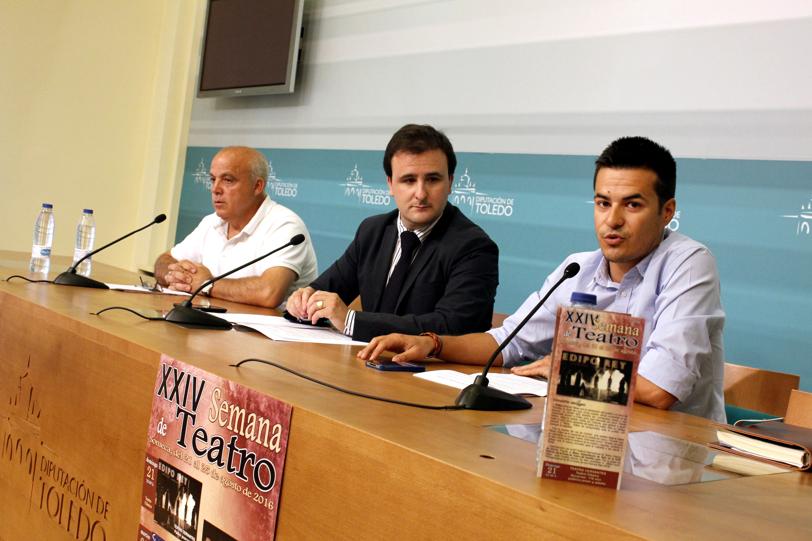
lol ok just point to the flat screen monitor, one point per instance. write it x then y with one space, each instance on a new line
250 47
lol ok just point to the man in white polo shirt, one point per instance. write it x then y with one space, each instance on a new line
245 224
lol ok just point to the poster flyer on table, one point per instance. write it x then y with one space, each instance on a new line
214 459
591 392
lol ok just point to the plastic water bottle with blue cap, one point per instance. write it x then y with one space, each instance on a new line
43 240
85 236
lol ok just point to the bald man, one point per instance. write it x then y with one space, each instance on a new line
245 224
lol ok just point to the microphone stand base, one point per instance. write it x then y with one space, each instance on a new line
187 316
484 398
77 280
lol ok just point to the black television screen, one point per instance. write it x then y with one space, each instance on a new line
250 47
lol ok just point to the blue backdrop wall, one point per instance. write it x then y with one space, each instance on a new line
754 215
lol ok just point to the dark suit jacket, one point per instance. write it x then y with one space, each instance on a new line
450 288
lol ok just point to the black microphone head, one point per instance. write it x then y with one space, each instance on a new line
297 239
571 270
159 218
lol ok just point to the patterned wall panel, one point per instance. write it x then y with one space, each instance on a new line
755 216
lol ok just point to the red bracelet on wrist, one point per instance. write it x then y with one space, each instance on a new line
438 344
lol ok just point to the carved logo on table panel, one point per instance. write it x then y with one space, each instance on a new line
24 402
27 465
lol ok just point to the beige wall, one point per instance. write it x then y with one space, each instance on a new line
95 100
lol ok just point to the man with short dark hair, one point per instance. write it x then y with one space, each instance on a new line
245 224
641 268
422 267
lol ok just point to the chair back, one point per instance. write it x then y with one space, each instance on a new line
799 410
758 389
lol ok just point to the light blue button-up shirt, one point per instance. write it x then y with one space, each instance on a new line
675 289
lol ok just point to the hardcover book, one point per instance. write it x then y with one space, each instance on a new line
746 465
591 389
773 442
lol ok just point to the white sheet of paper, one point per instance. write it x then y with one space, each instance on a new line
510 383
279 328
142 289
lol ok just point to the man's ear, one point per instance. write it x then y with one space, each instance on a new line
669 208
259 187
389 182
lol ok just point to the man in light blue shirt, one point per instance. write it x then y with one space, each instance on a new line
641 268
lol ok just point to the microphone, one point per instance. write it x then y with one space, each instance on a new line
70 278
478 396
186 315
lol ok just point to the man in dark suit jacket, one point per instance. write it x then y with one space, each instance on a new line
446 283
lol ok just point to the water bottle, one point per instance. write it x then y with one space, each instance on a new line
43 240
85 236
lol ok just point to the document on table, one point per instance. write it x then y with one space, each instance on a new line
279 328
142 289
510 383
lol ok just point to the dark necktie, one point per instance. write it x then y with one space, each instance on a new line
409 243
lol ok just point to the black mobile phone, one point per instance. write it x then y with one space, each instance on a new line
322 322
207 308
392 366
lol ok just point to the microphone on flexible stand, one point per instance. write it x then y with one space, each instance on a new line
70 278
478 395
186 315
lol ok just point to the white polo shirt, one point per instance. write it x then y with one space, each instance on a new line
272 226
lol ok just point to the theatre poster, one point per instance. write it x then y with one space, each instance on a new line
214 460
592 379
